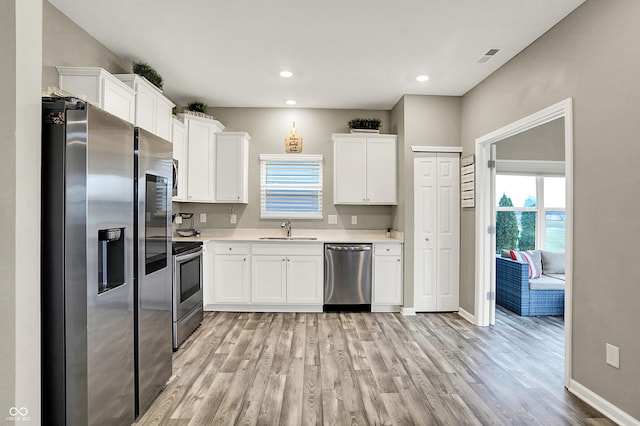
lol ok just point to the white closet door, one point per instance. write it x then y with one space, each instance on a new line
448 225
425 233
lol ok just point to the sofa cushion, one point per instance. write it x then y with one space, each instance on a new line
546 283
557 276
531 258
552 262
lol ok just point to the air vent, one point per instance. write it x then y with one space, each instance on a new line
487 56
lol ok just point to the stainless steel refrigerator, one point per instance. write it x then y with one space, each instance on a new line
106 279
154 266
87 265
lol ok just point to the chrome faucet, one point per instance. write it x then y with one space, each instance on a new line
287 225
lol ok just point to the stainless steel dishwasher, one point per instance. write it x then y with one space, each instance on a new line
347 277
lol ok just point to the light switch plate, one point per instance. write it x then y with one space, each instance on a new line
354 220
613 355
333 219
203 217
178 220
232 218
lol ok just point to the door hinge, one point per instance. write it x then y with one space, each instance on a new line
491 295
491 164
491 229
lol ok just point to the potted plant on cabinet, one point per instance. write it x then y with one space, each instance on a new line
365 125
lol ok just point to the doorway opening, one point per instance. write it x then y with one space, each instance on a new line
485 304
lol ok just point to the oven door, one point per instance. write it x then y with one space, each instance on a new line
187 283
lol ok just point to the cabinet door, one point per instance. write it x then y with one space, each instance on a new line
381 171
118 101
268 279
145 108
448 225
200 144
163 117
425 267
387 285
178 137
305 279
349 185
232 283
229 157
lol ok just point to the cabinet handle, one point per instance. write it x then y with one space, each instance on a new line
288 260
426 239
388 249
283 260
229 248
398 259
237 198
244 260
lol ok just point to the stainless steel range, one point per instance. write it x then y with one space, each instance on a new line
187 289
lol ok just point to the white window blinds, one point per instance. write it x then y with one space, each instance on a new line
291 186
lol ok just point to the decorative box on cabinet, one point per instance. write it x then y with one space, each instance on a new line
232 167
365 169
200 157
179 140
153 109
387 277
100 88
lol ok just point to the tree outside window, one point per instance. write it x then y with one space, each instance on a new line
506 226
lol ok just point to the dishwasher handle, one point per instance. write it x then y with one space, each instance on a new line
349 248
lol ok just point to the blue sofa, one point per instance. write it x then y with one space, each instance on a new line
515 292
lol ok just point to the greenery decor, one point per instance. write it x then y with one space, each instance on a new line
147 71
365 123
197 107
506 226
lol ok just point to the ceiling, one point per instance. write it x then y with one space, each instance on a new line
356 54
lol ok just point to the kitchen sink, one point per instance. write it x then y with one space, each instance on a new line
289 238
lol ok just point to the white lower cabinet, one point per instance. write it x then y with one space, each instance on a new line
287 273
387 277
232 283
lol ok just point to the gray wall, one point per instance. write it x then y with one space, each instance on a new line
545 142
268 128
591 56
20 80
426 121
66 44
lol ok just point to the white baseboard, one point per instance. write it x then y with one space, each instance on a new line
466 315
599 403
409 312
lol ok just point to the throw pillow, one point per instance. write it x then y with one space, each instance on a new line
553 262
528 257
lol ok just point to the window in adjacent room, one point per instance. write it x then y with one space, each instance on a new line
290 186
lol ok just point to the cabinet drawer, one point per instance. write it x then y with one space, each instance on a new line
287 248
388 250
232 248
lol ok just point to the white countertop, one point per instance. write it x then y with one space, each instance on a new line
322 235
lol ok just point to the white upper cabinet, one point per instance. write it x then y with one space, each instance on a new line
100 88
200 157
365 169
179 140
152 108
231 168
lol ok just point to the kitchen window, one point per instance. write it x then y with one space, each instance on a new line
290 186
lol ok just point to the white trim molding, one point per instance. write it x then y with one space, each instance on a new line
485 214
467 316
408 312
530 167
599 403
424 148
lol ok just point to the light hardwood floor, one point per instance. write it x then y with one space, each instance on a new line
363 368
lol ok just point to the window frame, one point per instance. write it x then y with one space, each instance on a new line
539 209
264 159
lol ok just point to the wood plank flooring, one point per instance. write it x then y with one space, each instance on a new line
369 369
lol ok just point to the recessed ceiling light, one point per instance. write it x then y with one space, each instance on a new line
286 74
422 78
291 102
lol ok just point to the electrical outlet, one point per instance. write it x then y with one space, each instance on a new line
354 220
333 219
232 218
178 220
203 217
613 355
